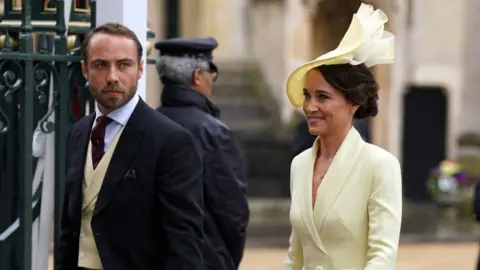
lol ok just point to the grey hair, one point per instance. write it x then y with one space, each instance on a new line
180 69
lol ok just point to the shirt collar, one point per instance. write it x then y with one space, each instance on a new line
122 114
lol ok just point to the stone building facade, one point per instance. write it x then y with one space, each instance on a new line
276 34
428 97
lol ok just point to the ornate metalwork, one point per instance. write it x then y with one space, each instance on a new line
41 87
43 72
10 83
35 92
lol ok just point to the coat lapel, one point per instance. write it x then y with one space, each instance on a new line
77 151
307 211
123 155
337 174
79 148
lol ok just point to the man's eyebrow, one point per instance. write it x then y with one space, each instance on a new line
124 60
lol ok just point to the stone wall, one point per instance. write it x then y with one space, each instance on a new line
436 46
469 119
156 24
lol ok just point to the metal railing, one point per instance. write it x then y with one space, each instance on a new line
40 81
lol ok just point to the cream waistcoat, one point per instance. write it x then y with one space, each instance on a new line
88 254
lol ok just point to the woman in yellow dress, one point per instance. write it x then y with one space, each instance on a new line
346 194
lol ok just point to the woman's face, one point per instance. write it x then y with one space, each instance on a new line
326 108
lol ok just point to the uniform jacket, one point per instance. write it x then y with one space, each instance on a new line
149 211
226 208
356 218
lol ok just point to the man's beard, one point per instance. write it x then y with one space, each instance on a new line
111 103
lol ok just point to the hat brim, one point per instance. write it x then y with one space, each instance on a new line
351 41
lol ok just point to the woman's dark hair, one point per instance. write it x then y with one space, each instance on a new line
357 84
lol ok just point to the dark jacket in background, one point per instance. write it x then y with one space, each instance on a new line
226 213
302 139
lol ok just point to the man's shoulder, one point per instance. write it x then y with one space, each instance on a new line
83 123
158 122
195 120
216 128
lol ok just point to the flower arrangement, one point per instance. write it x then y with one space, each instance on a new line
449 184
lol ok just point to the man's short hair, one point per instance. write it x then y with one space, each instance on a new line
115 29
180 69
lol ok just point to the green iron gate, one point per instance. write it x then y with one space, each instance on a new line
41 88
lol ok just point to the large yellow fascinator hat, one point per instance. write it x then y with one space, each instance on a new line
365 42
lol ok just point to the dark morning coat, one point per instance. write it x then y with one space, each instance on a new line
152 218
226 207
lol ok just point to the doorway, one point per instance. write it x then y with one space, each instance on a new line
424 137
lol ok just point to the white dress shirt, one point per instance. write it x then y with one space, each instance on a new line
119 118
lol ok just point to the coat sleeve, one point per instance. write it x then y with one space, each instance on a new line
385 216
226 192
180 199
294 260
67 251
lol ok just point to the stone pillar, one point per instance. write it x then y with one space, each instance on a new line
398 77
222 19
156 23
133 14
298 48
379 124
470 120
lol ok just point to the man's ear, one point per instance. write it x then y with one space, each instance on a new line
84 69
196 77
140 69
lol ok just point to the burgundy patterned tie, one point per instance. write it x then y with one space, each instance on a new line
98 139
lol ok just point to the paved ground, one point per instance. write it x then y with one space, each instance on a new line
411 257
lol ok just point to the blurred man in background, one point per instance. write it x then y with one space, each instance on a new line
186 69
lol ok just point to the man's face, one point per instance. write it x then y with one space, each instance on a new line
112 70
203 81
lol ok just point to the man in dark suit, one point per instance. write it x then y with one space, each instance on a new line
134 194
187 72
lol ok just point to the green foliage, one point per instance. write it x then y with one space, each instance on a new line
432 187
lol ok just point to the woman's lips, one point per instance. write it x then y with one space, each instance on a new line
315 119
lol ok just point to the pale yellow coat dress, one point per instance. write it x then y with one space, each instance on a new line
355 222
